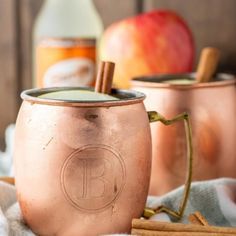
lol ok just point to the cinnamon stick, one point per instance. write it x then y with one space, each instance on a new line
99 80
105 77
144 232
108 77
208 63
8 180
177 227
198 219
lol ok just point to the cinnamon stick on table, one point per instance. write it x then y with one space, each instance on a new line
8 180
198 219
143 232
162 228
105 77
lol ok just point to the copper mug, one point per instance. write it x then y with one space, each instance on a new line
212 107
83 168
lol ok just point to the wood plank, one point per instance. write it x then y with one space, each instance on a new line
113 10
213 23
8 66
28 10
140 5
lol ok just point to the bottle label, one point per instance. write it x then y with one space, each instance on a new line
65 62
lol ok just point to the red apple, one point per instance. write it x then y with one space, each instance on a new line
150 43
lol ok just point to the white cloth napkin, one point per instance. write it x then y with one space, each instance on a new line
6 157
215 199
11 222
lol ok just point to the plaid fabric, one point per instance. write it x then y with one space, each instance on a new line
215 199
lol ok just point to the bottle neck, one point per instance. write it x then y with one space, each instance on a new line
67 5
69 1
68 18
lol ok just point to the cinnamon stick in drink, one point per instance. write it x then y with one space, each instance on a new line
208 64
99 80
105 77
108 77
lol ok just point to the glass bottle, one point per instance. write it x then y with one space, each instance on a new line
65 37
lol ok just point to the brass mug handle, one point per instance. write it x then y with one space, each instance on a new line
153 117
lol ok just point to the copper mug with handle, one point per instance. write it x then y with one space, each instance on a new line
212 107
83 167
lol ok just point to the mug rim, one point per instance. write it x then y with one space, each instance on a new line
155 81
130 97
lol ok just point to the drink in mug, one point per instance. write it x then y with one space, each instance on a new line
78 95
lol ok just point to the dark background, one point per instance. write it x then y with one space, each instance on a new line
213 23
